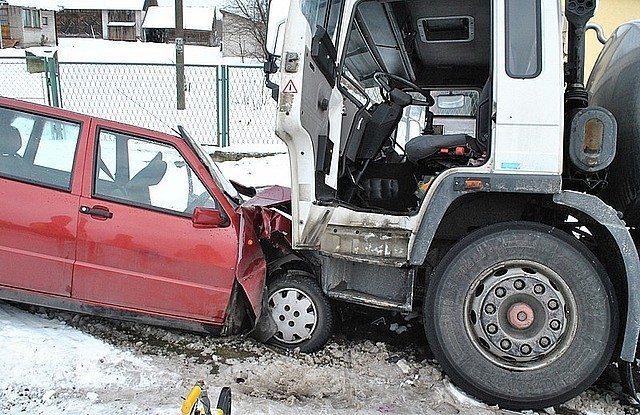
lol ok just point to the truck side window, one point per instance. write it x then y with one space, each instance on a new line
524 50
142 172
323 13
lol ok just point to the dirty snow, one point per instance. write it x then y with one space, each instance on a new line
56 362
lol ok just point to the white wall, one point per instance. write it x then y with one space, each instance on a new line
31 36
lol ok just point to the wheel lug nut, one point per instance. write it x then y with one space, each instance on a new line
505 344
554 324
492 329
538 289
518 284
544 342
553 304
500 292
490 308
525 349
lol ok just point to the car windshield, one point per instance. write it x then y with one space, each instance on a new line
213 168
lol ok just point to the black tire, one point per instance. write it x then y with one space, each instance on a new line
301 311
521 315
224 401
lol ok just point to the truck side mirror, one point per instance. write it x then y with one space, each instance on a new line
278 10
208 218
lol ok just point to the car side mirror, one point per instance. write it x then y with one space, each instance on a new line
208 218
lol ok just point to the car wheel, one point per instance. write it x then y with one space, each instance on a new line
302 313
521 315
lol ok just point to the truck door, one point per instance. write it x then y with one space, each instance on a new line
310 104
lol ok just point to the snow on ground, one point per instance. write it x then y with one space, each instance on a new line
273 170
100 50
56 362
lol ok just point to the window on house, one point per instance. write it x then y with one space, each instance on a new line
4 17
45 21
31 18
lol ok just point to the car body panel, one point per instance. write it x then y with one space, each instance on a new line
83 249
37 242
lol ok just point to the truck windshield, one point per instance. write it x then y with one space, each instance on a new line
213 168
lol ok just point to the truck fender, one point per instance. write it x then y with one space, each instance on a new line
608 217
450 186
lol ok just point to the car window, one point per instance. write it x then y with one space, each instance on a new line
37 149
143 172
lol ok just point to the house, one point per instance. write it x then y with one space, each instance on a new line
241 36
26 23
198 22
111 20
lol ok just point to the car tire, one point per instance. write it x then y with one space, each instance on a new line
302 313
521 315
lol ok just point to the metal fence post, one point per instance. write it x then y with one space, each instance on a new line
52 75
223 105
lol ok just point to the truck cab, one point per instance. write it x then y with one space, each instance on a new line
445 158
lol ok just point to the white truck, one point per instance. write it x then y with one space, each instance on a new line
447 156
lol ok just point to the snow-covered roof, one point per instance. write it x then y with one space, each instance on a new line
38 4
121 24
100 4
194 18
191 3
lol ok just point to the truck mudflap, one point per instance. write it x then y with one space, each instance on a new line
608 217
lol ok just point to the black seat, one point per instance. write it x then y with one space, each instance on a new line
10 143
424 146
137 189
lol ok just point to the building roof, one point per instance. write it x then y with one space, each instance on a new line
38 4
194 18
100 4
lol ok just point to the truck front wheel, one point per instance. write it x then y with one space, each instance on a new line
521 315
302 314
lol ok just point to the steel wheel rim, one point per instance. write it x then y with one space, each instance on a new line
295 315
520 315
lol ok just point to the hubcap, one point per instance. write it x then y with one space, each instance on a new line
520 315
294 313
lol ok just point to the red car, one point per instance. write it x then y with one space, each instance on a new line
105 218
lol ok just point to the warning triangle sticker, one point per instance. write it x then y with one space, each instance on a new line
290 88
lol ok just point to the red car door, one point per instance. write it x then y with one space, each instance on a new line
137 246
41 161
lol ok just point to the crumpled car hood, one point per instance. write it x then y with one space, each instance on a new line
270 196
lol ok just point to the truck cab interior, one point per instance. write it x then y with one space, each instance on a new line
416 80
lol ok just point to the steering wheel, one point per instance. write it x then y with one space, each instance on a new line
383 80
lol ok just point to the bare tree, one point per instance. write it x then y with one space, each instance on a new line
245 24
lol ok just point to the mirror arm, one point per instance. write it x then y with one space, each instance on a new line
271 67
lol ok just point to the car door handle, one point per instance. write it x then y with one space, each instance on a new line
98 212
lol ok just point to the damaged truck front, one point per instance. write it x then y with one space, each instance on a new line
447 157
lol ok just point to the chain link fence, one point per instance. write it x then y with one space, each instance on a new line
225 105
251 107
143 95
18 83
